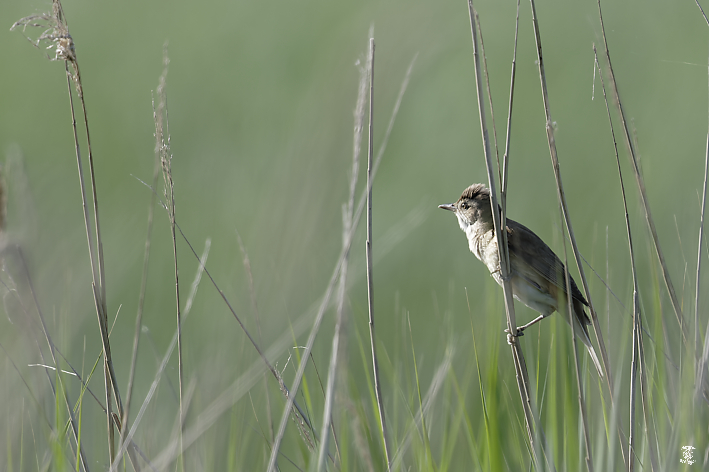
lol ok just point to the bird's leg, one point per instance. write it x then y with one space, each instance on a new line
520 332
534 321
520 329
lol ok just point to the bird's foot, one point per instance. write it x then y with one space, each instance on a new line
499 271
511 337
511 340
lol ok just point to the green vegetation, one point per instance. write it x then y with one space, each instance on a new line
254 114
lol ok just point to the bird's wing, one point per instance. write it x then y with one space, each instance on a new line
539 259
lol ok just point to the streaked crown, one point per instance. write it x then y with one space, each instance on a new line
472 207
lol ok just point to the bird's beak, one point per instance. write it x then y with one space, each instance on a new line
448 206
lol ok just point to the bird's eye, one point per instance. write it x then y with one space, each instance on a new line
464 205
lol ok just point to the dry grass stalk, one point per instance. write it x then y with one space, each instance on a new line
52 351
368 247
425 407
301 368
489 92
56 33
162 149
565 213
162 143
347 220
286 392
328 291
702 383
562 196
144 276
513 340
3 208
254 305
702 362
641 186
633 385
240 387
637 320
188 306
577 370
508 136
650 432
668 282
15 252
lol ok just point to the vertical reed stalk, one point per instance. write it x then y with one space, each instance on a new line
636 300
146 257
328 291
57 33
370 283
565 214
577 370
562 196
704 357
508 137
127 443
513 340
641 187
162 137
52 349
347 221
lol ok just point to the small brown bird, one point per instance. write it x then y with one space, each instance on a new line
537 275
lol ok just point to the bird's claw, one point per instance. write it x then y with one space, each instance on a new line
511 337
499 271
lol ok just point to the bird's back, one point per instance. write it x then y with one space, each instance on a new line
531 258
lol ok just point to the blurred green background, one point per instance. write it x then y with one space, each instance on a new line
261 98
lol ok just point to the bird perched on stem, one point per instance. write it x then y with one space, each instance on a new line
537 276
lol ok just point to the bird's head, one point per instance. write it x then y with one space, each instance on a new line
472 207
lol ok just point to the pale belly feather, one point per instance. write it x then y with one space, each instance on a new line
484 247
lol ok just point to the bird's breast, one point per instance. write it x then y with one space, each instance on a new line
484 245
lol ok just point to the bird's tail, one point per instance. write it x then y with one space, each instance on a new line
582 333
594 358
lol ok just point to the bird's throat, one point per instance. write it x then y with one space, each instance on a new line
480 240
